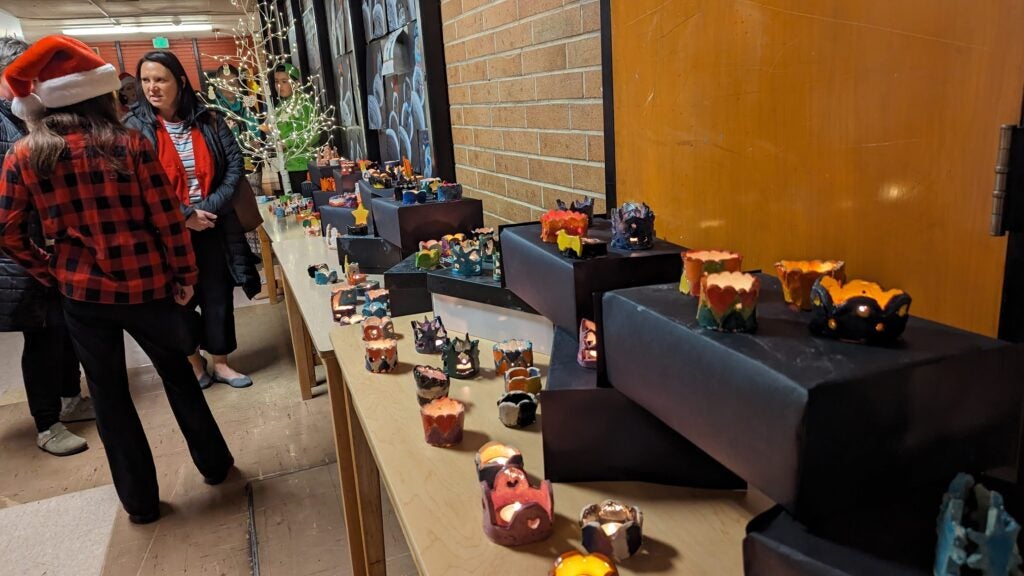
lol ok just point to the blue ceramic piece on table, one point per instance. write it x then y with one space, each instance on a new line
375 309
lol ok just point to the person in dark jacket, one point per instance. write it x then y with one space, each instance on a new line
49 365
122 256
198 151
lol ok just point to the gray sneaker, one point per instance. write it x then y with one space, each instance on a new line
60 441
77 409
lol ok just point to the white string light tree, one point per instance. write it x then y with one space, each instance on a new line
259 135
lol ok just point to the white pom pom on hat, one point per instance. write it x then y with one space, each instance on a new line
57 71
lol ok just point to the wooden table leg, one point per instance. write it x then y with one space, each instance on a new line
268 265
367 477
302 344
343 448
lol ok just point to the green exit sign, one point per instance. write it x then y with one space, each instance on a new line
161 42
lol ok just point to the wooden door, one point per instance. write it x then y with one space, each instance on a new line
863 130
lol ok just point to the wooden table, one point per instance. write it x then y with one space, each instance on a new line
273 230
437 497
310 322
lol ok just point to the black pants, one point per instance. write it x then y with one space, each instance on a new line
213 324
159 328
49 366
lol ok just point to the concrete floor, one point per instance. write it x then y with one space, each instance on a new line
268 427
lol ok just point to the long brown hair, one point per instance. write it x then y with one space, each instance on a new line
96 118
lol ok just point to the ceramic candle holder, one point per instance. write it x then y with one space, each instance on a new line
381 355
431 384
443 421
574 224
492 457
485 241
510 353
352 274
697 263
496 271
378 295
633 227
514 512
577 564
375 309
728 302
428 259
343 302
612 529
461 357
466 259
410 197
520 379
447 242
586 356
449 192
378 329
517 409
580 247
366 285
344 200
360 214
798 277
312 269
858 311
358 229
429 336
585 207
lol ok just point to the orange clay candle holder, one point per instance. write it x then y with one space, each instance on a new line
443 420
574 224
798 276
697 263
576 564
728 302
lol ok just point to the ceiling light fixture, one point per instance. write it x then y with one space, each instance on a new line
142 29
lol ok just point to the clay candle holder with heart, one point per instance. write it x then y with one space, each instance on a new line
514 512
443 420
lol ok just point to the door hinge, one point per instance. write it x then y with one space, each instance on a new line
1006 196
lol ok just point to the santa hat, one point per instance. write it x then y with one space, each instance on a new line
55 72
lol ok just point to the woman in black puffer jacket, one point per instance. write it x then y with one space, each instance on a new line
49 365
202 159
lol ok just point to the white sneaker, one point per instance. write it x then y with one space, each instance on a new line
76 409
60 441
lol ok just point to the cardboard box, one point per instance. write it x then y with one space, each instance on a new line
407 288
406 226
562 289
595 434
818 425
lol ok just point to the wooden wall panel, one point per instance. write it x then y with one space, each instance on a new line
133 50
860 130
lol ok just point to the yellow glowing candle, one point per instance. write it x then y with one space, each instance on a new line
610 528
506 513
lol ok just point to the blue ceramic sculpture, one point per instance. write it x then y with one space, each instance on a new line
992 549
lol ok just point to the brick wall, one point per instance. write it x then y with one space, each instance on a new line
524 83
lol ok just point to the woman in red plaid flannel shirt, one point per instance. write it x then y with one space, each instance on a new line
121 254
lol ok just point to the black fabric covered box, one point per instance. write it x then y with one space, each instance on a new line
407 288
891 537
595 434
483 288
818 425
346 183
321 198
374 255
562 289
406 226
367 193
316 172
341 218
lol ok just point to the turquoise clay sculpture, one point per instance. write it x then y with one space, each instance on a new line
992 549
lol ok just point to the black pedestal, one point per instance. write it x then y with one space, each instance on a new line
407 288
596 434
563 289
374 255
483 289
367 193
407 226
346 183
820 426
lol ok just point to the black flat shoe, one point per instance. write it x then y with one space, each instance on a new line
220 479
148 518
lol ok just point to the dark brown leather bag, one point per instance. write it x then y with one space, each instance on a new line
244 202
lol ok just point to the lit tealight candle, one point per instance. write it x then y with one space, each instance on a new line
506 513
610 528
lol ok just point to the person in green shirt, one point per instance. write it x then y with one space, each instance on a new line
295 117
227 98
